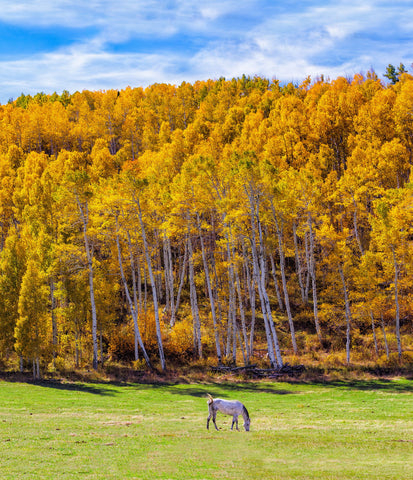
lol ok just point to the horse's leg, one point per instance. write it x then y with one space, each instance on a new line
234 420
246 423
214 416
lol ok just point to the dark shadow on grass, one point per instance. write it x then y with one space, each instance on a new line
98 388
228 389
94 388
223 390
363 385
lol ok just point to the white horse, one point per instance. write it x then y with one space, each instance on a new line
228 407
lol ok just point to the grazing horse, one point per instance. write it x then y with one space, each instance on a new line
228 407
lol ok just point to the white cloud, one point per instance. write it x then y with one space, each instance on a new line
79 70
331 38
125 16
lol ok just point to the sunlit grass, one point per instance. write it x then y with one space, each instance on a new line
340 430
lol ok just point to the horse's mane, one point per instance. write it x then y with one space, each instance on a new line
245 411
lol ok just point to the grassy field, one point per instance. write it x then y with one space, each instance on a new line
337 430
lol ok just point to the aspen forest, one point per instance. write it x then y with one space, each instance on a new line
220 222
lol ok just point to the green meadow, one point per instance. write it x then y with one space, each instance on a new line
335 430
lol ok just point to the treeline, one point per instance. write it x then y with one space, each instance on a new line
222 219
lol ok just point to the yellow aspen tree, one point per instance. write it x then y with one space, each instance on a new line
138 192
393 166
34 132
371 295
9 163
354 192
402 113
375 118
391 230
114 221
280 206
129 108
31 330
308 186
254 191
12 267
181 223
81 120
79 181
339 259
74 197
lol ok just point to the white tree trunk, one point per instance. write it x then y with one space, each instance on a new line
153 285
274 352
84 213
54 323
277 288
182 279
356 231
36 368
348 313
210 294
194 301
279 228
132 304
313 279
137 306
265 297
169 279
298 266
373 328
250 287
396 300
308 262
232 301
242 315
386 345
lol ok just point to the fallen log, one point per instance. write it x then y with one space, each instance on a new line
253 371
224 368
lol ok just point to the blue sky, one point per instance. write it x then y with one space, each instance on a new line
53 45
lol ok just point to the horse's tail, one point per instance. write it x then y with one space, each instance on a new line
210 399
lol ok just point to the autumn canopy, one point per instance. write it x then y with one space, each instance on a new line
230 220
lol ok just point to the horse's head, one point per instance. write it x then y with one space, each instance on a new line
247 424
